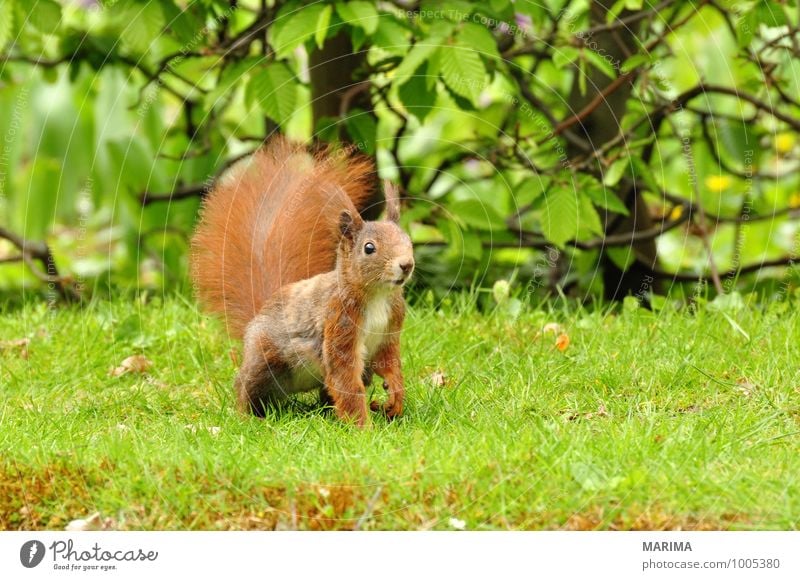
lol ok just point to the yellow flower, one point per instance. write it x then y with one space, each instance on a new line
676 212
794 200
718 183
784 142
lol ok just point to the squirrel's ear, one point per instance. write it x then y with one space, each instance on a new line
349 225
392 201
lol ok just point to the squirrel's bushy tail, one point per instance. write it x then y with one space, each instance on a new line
271 220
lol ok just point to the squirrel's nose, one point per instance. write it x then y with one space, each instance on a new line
406 266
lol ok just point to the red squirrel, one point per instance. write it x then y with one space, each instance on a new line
316 292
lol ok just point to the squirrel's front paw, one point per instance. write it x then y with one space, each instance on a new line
391 408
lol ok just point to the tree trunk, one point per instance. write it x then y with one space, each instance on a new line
335 91
599 127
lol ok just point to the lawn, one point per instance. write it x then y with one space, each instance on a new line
645 420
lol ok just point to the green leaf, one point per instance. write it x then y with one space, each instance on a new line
415 95
292 29
602 196
45 15
462 243
229 80
323 25
738 139
275 90
41 178
565 55
530 189
327 129
634 62
588 220
615 10
360 14
462 71
770 14
622 257
582 77
643 176
480 39
477 214
135 161
6 21
184 24
559 215
599 63
418 54
746 26
472 246
141 25
614 173
363 129
390 36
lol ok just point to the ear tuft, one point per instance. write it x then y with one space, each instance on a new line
349 225
392 201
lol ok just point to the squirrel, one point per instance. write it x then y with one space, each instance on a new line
315 291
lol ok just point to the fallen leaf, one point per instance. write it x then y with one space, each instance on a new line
457 524
20 344
157 383
214 431
133 364
438 379
93 523
551 327
501 291
601 412
562 342
745 388
572 415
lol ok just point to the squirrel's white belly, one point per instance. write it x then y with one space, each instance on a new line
374 324
305 378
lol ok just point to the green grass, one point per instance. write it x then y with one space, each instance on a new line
668 420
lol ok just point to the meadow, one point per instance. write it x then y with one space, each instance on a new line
673 419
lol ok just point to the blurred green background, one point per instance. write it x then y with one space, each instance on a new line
592 149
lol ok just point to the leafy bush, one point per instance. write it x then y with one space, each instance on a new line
577 146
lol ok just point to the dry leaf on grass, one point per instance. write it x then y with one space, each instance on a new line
457 524
745 388
601 412
133 364
562 342
438 379
570 415
554 327
19 345
214 431
93 523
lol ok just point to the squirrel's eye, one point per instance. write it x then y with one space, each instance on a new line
369 248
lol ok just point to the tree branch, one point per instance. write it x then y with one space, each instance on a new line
39 251
732 273
192 190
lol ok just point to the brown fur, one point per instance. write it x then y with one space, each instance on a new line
325 293
272 220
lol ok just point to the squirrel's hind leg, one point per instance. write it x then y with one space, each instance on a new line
258 384
326 399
